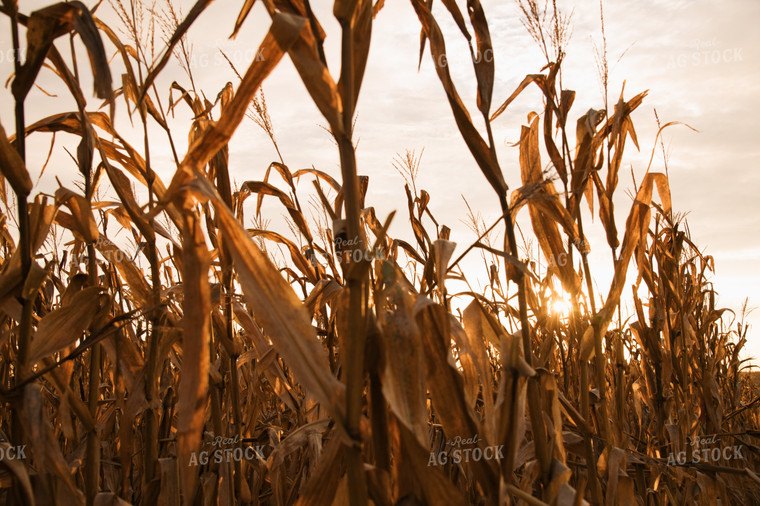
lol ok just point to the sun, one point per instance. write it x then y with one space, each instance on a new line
560 305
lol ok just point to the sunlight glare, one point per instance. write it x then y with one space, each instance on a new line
560 305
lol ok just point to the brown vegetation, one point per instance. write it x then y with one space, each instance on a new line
345 376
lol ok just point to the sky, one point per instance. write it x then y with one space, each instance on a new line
698 59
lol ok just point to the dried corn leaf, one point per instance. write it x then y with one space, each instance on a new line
43 27
19 470
537 78
636 228
544 225
305 54
434 486
442 251
244 11
54 473
361 32
277 309
483 155
262 188
193 384
283 33
403 377
13 167
446 384
64 326
483 61
83 224
139 288
184 26
299 260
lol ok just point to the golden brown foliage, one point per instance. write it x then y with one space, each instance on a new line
344 375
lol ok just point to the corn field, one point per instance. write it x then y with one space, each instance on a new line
161 345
